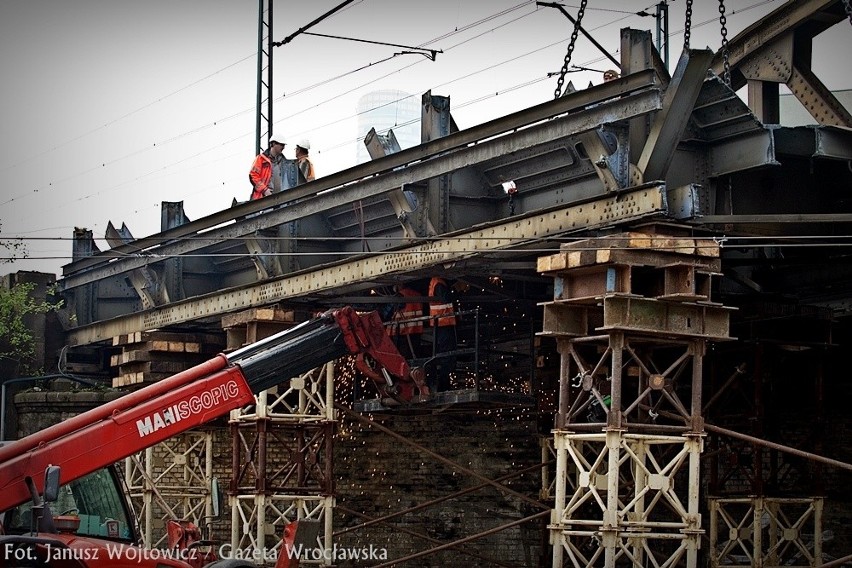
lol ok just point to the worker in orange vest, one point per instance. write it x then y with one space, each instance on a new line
406 329
306 166
442 318
265 173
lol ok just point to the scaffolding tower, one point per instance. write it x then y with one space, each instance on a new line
282 467
632 316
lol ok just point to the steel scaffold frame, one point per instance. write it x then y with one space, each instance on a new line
624 499
269 491
632 317
766 531
171 480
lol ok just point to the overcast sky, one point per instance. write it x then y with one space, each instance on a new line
110 107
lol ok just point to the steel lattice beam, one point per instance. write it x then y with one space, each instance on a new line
516 233
436 151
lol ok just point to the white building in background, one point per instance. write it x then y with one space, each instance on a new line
385 110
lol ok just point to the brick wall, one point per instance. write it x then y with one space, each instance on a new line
38 410
378 475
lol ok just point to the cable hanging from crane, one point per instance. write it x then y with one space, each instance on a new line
723 21
687 26
561 81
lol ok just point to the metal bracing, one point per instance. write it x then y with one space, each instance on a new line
652 380
627 206
172 215
634 492
767 532
172 480
548 477
632 317
378 146
431 159
282 464
258 520
145 281
627 505
670 123
778 50
436 122
815 14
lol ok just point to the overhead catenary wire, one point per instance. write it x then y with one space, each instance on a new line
135 153
245 111
710 243
172 164
131 113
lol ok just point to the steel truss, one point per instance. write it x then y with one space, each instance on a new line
647 522
282 465
171 480
765 531
629 492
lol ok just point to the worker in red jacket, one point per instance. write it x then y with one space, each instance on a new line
265 173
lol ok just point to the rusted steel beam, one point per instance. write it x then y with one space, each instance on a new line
779 447
162 246
785 19
836 562
670 122
431 150
625 206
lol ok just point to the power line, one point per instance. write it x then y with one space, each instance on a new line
339 95
457 30
127 115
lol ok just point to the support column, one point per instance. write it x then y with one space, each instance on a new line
282 458
171 481
633 314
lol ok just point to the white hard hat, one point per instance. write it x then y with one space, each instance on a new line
279 139
306 144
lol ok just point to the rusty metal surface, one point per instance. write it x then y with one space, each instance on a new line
639 104
576 101
791 16
515 233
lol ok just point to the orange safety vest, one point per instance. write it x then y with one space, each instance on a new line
260 175
442 314
411 310
306 168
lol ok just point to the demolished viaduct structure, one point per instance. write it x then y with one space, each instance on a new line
651 364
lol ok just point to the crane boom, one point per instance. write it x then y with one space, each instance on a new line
196 396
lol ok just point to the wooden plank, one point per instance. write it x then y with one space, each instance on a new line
149 336
167 367
273 314
648 241
151 355
173 346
